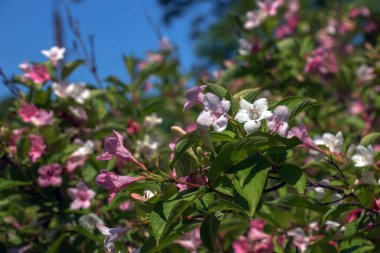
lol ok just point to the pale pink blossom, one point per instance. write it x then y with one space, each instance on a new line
81 196
29 113
300 239
254 19
356 12
365 73
14 138
214 113
191 241
111 235
302 134
269 7
114 147
114 183
50 175
37 147
126 205
322 61
79 157
54 54
278 122
194 95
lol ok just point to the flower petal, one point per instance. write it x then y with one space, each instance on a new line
252 126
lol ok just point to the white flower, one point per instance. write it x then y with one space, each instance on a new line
78 112
363 156
148 146
152 120
333 142
245 47
254 19
89 221
76 91
331 225
111 235
86 149
54 54
252 114
365 73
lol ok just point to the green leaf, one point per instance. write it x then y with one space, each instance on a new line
222 136
216 89
146 72
150 246
356 246
293 175
337 211
370 139
8 184
209 231
165 213
250 186
292 200
226 205
248 94
236 154
87 234
70 67
183 144
296 104
56 244
129 63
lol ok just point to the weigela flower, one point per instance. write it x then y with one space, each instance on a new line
148 146
278 121
114 183
126 205
50 175
194 95
363 156
111 235
214 113
191 241
356 12
79 157
251 115
333 142
37 147
78 112
300 239
365 73
29 113
14 138
151 121
38 73
269 7
76 91
133 127
54 54
302 134
322 61
143 198
254 19
114 147
81 196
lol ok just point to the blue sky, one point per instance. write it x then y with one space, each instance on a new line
119 26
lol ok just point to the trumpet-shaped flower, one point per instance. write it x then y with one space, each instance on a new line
251 115
50 175
302 134
333 142
363 156
81 196
111 235
37 147
38 73
114 147
214 113
114 183
278 121
54 54
194 95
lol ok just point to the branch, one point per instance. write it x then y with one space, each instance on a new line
276 187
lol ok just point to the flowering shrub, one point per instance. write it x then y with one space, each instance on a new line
85 168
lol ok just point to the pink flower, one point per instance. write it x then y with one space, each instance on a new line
29 113
192 178
302 134
214 113
300 239
111 235
191 241
278 121
79 157
50 175
114 183
38 73
14 138
254 19
322 61
81 195
357 107
126 205
37 147
356 12
114 147
353 215
241 245
133 127
194 95
269 7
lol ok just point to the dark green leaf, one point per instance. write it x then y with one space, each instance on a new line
9 184
70 67
296 104
183 144
209 231
293 175
370 139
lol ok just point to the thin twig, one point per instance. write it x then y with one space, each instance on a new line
276 187
9 84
